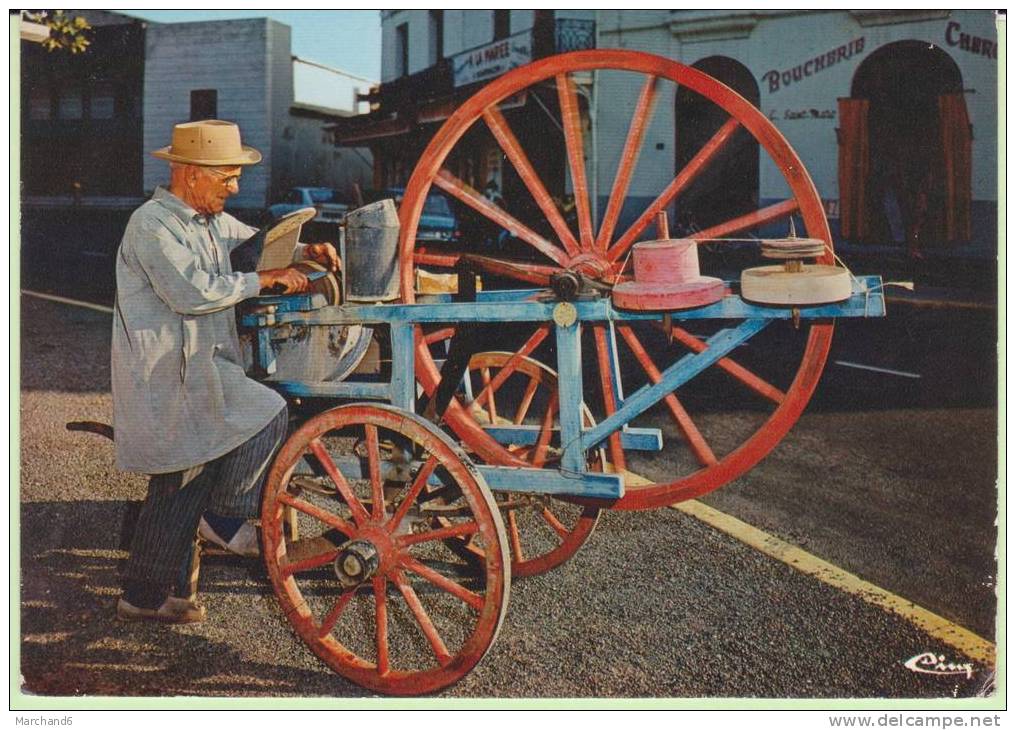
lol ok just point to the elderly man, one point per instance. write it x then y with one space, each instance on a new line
184 410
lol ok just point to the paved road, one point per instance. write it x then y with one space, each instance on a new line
656 604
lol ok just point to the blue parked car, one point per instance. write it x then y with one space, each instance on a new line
438 222
330 208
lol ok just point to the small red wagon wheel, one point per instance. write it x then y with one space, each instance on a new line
777 373
543 532
371 586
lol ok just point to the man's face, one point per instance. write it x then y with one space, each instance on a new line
210 186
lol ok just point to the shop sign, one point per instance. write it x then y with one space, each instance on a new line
492 59
779 79
970 43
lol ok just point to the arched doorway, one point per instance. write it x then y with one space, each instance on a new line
905 150
729 186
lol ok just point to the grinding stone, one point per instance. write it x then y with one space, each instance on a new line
814 284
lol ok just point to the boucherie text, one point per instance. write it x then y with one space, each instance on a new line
779 79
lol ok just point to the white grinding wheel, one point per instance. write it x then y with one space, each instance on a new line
814 284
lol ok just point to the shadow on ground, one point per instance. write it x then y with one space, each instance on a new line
73 646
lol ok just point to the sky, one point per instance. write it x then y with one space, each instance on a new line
349 40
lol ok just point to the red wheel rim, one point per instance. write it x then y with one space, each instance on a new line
384 633
603 248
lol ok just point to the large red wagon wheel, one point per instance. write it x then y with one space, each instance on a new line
371 585
713 454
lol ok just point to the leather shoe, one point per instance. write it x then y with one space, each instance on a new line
172 611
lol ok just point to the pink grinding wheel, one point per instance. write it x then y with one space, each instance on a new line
648 296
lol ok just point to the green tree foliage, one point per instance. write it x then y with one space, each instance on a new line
66 33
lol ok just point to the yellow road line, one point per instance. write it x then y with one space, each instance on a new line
942 629
946 631
65 300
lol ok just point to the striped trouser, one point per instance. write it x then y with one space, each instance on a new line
230 486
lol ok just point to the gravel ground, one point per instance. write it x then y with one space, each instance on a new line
655 605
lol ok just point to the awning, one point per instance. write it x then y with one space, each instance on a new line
356 130
352 132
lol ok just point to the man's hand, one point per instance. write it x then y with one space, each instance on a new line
324 254
283 281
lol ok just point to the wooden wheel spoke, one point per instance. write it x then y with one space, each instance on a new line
683 179
459 529
530 273
746 222
514 537
381 624
487 394
321 515
422 619
571 121
629 157
439 335
414 491
311 563
460 190
696 441
445 259
491 385
446 584
333 615
527 401
555 523
609 400
360 515
513 150
374 467
546 431
521 271
737 371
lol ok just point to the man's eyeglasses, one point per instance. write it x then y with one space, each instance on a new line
225 177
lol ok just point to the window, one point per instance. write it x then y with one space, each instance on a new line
204 104
103 102
40 105
436 36
502 24
402 49
69 104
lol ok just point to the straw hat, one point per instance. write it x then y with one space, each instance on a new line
209 142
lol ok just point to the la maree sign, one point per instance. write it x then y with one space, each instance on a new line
492 59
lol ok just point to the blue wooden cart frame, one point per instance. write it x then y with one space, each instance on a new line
567 318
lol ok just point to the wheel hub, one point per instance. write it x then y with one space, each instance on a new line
356 563
586 277
593 265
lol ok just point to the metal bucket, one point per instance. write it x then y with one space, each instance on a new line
370 253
